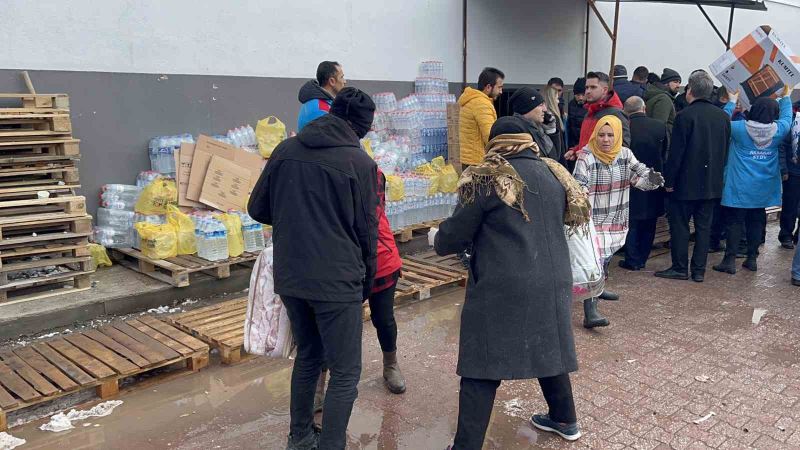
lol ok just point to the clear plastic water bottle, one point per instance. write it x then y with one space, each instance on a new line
118 204
120 188
115 218
112 237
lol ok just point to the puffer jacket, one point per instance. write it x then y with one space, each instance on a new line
595 111
476 120
660 105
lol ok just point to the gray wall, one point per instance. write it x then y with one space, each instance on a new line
115 114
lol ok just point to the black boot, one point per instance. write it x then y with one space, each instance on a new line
750 264
728 265
608 295
591 318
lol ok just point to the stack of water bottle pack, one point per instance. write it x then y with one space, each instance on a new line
162 152
417 204
212 235
116 216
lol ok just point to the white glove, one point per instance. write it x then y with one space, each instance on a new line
432 236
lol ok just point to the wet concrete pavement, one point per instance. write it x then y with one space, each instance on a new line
676 351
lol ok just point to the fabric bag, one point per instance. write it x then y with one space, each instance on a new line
269 135
267 331
584 257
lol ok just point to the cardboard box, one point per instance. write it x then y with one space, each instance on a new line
183 162
205 149
226 185
760 65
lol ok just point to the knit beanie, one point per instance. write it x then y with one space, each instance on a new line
579 87
620 71
356 107
525 100
670 75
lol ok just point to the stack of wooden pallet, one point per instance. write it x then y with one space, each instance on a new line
44 227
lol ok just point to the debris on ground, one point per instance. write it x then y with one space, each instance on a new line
188 302
164 310
702 378
7 441
62 422
704 418
758 314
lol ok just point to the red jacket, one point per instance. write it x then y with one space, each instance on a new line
611 105
389 260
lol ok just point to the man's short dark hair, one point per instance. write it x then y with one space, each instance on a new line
601 76
489 77
325 71
653 78
555 81
641 73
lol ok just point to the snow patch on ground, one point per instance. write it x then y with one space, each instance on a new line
62 422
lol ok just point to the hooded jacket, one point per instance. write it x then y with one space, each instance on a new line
543 141
575 114
790 150
475 122
660 105
753 175
626 89
319 193
597 110
315 101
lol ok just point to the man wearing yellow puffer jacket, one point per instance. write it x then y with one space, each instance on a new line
478 115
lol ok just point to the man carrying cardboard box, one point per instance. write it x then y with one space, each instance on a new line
319 192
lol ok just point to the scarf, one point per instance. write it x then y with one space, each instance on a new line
495 172
606 157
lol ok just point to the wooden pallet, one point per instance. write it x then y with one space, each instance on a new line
43 232
220 325
450 262
424 276
62 146
177 271
19 212
407 233
32 124
94 359
35 102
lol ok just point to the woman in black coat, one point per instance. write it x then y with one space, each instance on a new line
516 322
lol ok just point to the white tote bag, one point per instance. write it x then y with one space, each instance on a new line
584 256
267 330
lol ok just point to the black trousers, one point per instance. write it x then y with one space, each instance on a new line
329 332
639 241
381 309
680 212
753 222
718 225
476 400
789 210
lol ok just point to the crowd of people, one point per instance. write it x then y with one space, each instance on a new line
617 156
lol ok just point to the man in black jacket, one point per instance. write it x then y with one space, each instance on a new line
693 173
319 194
649 143
528 105
576 112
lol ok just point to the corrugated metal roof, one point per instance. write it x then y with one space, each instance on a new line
757 5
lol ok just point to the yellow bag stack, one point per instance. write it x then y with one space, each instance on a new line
184 227
233 224
156 196
158 241
269 133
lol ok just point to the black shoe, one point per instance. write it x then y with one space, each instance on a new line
750 264
795 282
627 266
591 318
716 248
741 253
698 277
727 265
672 274
568 431
309 442
608 295
787 244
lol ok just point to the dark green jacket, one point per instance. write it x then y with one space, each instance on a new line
660 104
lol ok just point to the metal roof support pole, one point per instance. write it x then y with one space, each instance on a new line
586 44
730 26
464 47
614 44
711 22
600 17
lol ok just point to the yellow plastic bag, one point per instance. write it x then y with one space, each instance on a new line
157 241
99 255
184 227
437 164
269 135
233 224
156 196
425 170
395 188
448 179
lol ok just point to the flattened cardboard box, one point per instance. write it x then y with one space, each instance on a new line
205 149
183 161
226 185
760 65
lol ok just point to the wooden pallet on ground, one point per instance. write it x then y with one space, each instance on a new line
450 262
17 212
425 276
407 233
94 359
35 124
62 146
35 102
177 271
220 325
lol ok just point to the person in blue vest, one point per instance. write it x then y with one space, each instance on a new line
753 174
317 95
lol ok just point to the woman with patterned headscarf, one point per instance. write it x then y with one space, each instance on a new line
515 323
607 170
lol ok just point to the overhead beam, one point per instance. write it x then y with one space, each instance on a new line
730 27
711 22
614 44
600 18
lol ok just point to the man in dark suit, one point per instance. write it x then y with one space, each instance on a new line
693 172
649 143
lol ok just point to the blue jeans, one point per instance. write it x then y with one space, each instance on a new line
796 264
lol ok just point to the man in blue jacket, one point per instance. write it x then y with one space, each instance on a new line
790 170
317 95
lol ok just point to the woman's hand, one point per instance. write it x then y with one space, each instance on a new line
432 236
571 155
655 178
787 91
733 97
